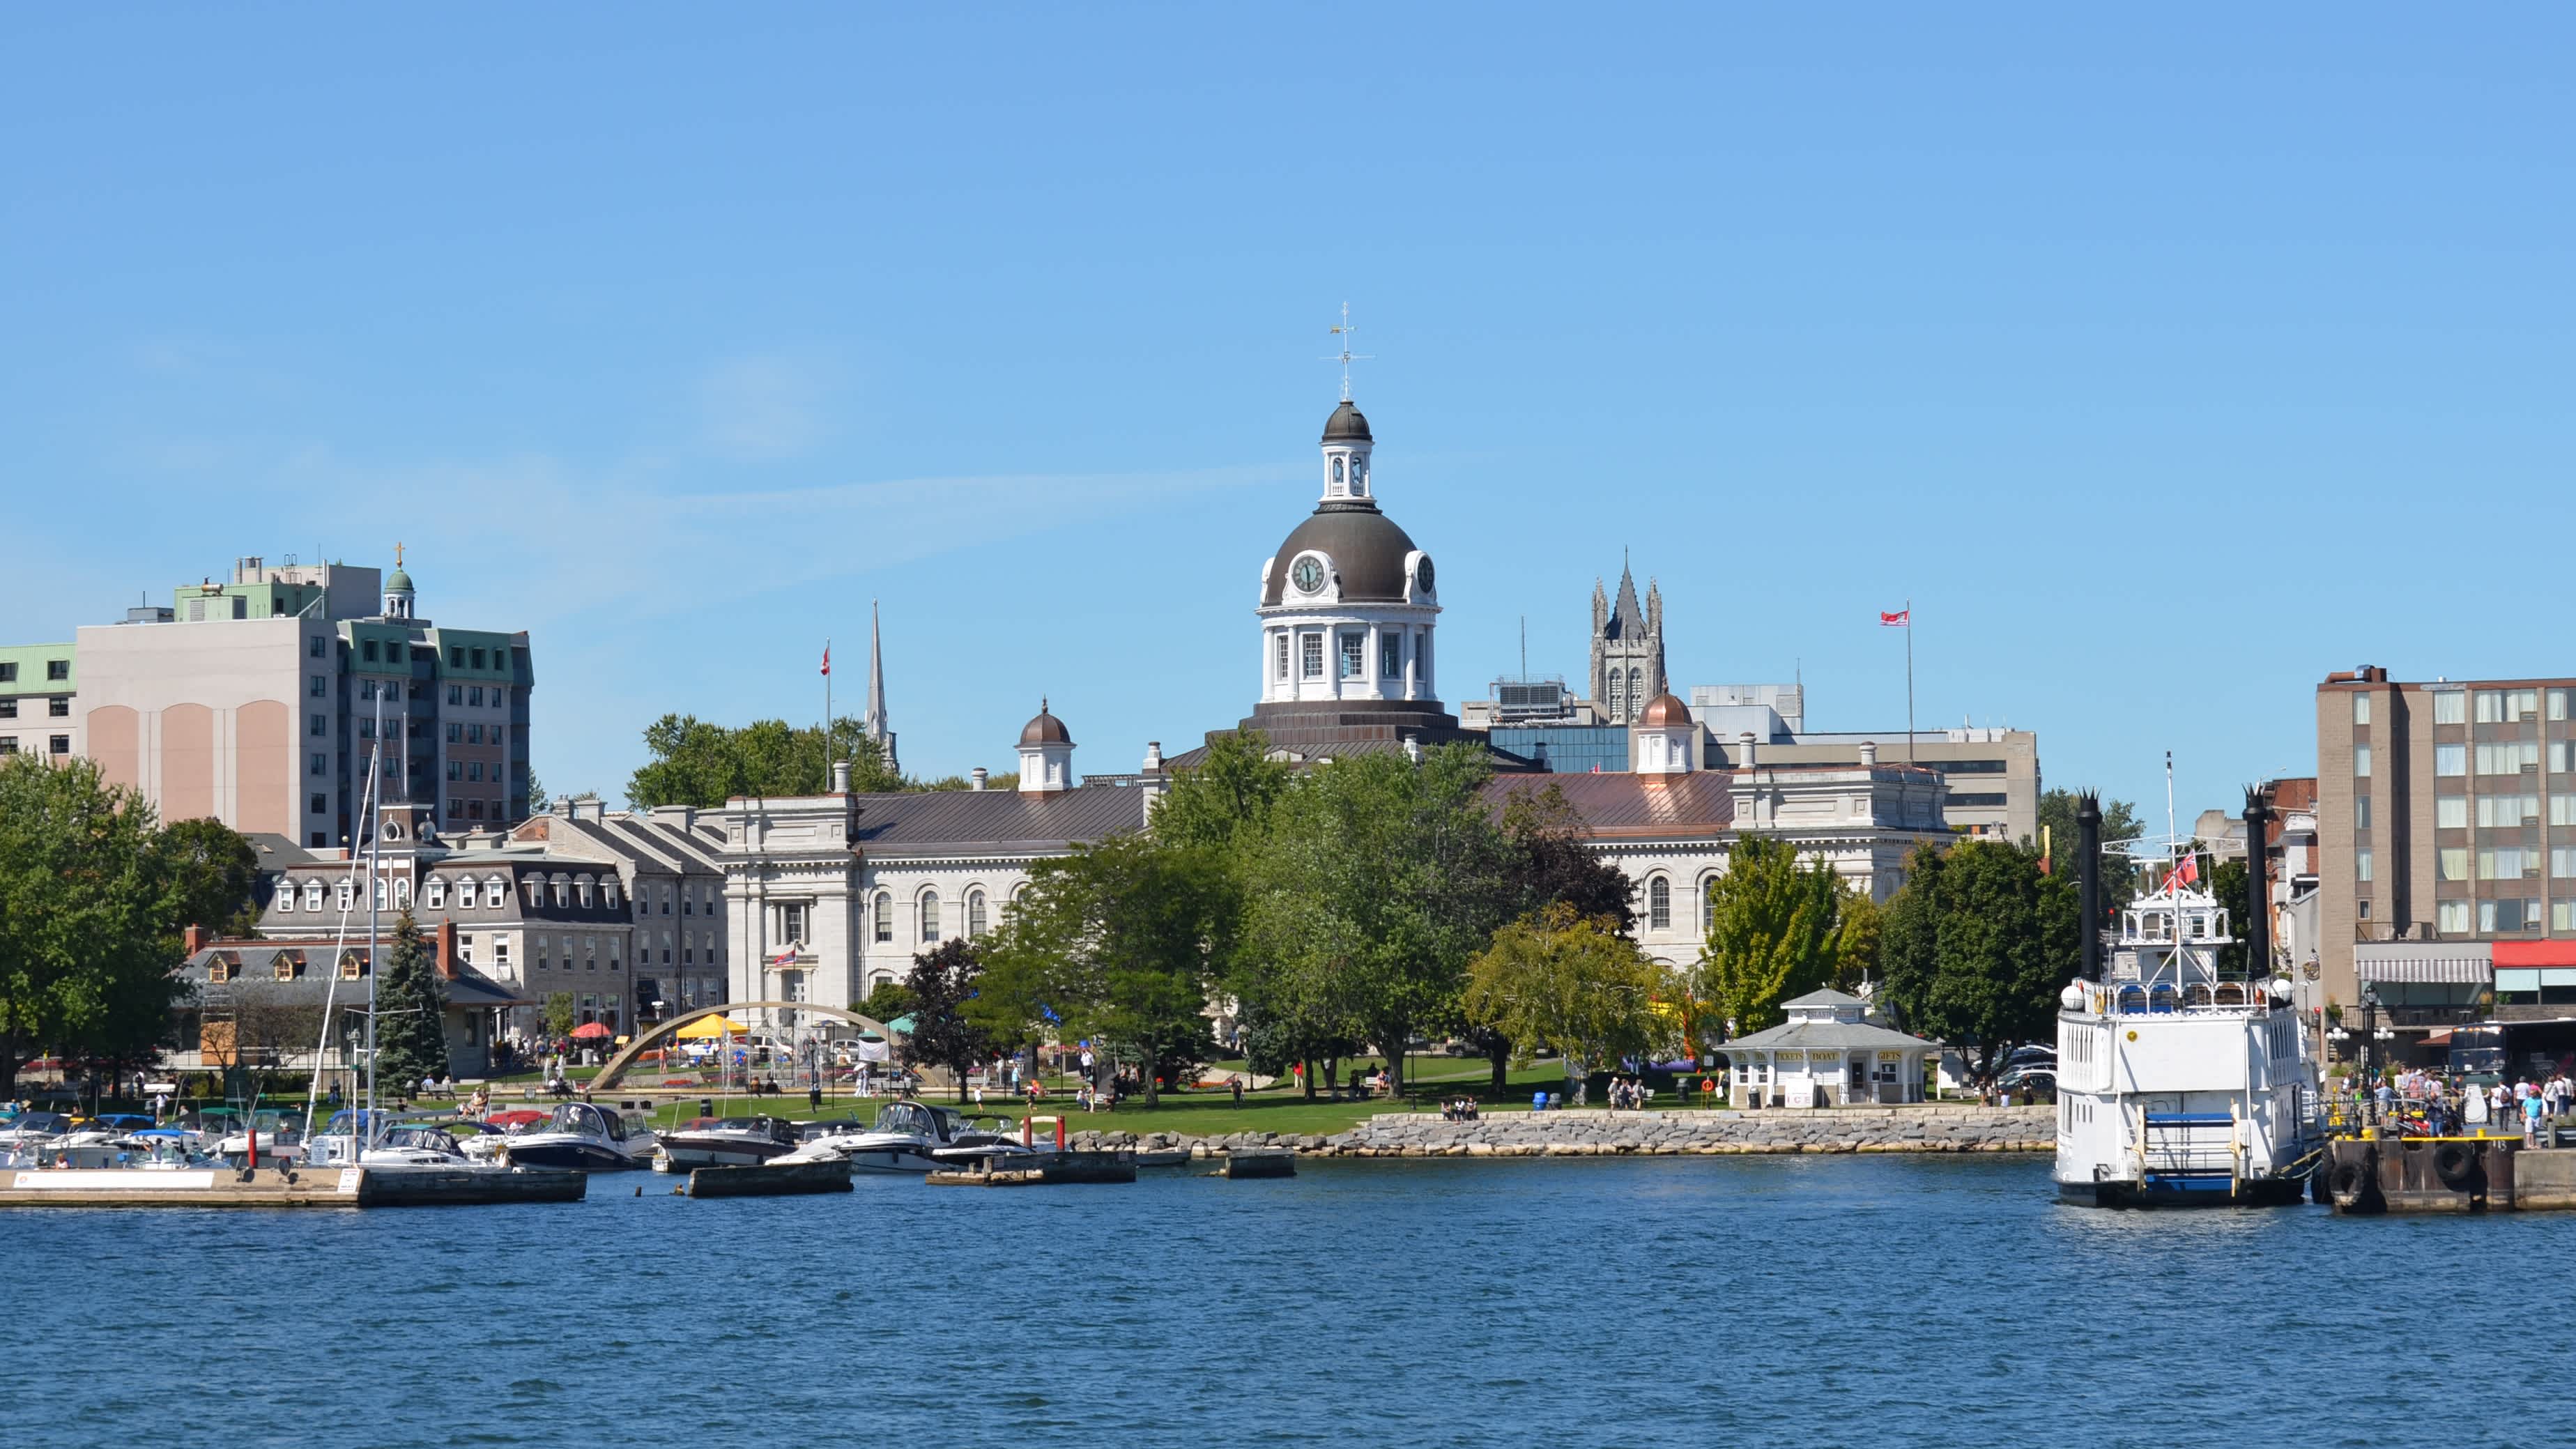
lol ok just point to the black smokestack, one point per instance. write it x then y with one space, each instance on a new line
2258 885
2088 880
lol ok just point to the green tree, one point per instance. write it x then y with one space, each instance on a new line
1856 938
1552 863
1226 797
887 1001
1977 945
943 983
1569 982
695 762
560 1017
2120 825
1116 941
1374 882
1771 933
2229 882
411 1012
213 874
88 929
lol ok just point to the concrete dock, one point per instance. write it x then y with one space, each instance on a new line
267 1187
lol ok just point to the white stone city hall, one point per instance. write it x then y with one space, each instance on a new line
827 896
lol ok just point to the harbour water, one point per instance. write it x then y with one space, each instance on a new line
1799 1300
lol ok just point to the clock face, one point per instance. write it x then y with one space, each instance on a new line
1308 575
1422 575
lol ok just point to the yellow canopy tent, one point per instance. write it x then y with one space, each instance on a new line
707 1026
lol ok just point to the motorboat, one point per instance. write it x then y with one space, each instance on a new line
26 1138
280 1136
913 1137
725 1142
585 1136
378 1139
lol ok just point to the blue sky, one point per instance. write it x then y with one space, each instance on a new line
2165 366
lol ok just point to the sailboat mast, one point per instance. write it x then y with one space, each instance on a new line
375 890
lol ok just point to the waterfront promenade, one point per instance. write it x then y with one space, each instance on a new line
1595 1132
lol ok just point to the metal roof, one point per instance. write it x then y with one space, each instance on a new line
983 822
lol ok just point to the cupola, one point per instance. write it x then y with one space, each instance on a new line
1046 754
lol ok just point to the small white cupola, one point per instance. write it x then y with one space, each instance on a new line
1664 740
1046 755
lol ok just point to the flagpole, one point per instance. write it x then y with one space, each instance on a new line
827 709
1909 682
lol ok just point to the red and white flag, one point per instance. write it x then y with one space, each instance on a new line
2187 872
827 659
1901 619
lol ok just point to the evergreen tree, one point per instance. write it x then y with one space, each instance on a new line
411 1013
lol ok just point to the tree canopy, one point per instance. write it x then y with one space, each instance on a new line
1117 941
213 873
1977 946
89 916
695 762
942 982
1375 880
1569 982
1771 936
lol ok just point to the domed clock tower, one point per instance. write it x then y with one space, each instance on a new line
1348 608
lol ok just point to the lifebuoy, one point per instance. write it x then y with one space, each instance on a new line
2455 1164
2346 1182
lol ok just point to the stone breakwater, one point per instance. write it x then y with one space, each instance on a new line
1596 1133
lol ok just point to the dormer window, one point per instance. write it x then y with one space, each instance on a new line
436 897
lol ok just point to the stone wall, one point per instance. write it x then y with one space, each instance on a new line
1596 1133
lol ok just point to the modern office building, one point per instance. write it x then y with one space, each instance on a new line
2446 848
261 701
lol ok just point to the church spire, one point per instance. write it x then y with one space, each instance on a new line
873 724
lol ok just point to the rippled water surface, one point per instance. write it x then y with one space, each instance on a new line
1815 1301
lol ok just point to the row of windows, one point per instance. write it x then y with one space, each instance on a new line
927 916
693 899
1352 653
492 892
54 669
2491 706
57 707
54 744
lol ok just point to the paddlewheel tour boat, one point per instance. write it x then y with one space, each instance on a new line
2181 1084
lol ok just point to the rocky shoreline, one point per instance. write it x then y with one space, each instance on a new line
1596 1133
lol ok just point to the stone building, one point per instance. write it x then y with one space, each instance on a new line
1627 650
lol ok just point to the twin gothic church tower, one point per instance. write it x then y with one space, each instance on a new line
1627 649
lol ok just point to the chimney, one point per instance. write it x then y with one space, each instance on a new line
1744 745
193 940
2258 887
840 777
2088 883
1869 754
447 949
1153 757
977 777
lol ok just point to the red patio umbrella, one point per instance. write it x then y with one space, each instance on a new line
590 1031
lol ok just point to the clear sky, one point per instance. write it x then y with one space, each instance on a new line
2165 366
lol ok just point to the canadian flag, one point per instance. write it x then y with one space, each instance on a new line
827 659
1901 619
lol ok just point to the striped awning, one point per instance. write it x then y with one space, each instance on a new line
2447 962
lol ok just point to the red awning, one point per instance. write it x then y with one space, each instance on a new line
2535 953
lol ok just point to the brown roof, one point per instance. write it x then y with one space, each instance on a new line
965 822
1645 806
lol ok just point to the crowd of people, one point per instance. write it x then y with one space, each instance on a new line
2439 1105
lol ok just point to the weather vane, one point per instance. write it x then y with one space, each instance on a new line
1346 357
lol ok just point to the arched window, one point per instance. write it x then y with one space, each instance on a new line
1708 906
885 916
1618 700
402 893
1636 693
930 918
1659 904
974 914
